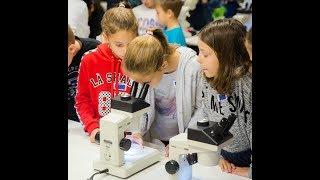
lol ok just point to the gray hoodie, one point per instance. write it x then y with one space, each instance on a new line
188 93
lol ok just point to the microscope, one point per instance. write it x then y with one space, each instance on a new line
201 144
126 111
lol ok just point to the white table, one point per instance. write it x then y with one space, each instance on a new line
82 153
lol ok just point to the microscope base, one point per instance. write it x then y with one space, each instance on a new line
132 165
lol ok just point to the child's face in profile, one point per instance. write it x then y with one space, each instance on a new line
148 3
119 41
208 60
161 15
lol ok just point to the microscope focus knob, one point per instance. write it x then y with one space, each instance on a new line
192 158
125 144
172 167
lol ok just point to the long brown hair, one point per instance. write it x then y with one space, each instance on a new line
227 38
145 54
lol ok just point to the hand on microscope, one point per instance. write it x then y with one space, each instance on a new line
166 151
136 137
231 168
93 135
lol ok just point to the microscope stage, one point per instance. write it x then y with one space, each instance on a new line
136 159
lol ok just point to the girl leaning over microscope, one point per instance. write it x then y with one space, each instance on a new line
174 75
100 74
227 90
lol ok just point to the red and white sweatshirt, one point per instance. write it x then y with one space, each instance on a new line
100 78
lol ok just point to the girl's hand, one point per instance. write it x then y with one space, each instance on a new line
93 135
136 137
226 166
241 171
166 151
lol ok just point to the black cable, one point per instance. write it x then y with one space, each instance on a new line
99 172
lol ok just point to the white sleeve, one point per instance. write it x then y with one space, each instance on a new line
78 17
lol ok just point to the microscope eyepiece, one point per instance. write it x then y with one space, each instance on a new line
143 91
226 123
134 89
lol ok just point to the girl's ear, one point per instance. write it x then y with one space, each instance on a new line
72 49
170 13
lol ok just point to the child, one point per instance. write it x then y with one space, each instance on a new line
225 63
76 48
168 13
173 74
146 16
100 75
95 17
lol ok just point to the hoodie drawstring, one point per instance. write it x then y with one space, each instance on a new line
117 75
112 81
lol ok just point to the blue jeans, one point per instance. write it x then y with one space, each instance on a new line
240 159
